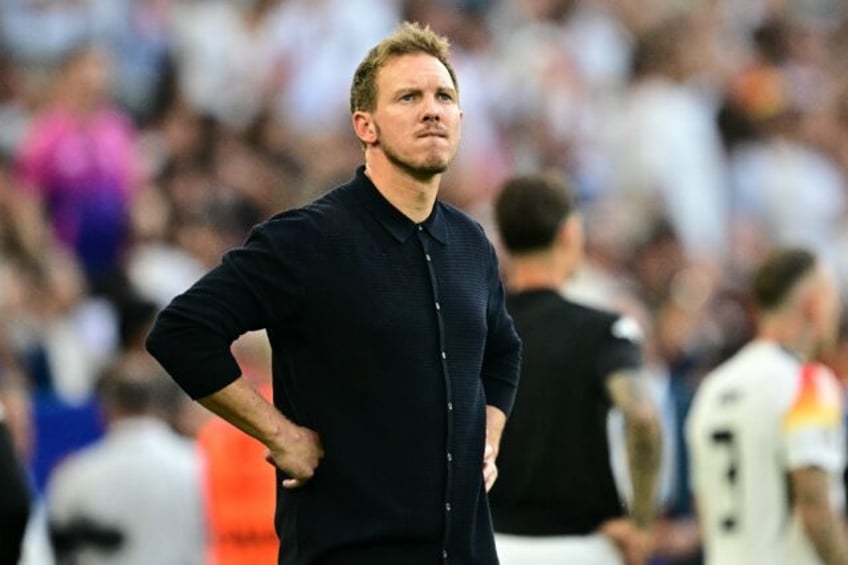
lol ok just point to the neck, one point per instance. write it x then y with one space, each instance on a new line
413 196
789 334
539 271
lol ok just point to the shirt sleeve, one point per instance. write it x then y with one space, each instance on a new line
813 426
256 286
621 348
502 358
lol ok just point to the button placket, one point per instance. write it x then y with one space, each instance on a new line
431 268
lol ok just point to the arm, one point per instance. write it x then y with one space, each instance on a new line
814 442
819 519
629 393
251 289
293 449
501 365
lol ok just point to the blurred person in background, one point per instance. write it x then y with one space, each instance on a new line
556 500
766 431
240 497
665 145
136 315
137 35
78 160
133 497
395 362
788 189
227 57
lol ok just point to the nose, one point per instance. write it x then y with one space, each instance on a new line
432 111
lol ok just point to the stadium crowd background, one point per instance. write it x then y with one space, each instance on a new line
697 134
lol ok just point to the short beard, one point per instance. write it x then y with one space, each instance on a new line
422 172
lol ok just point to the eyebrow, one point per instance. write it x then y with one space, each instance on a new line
401 91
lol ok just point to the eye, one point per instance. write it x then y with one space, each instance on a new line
445 96
408 97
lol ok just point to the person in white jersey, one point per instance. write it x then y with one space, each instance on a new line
765 432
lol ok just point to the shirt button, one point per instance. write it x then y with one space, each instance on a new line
427 255
444 355
444 554
450 457
450 405
447 506
438 306
420 228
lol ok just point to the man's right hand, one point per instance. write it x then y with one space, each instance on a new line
634 543
291 448
297 454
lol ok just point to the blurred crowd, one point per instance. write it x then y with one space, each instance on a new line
140 139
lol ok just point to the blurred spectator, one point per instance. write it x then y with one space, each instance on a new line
135 496
63 335
315 71
79 160
13 113
787 189
227 57
137 35
240 498
40 33
665 144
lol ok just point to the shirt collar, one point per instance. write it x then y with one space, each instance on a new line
395 221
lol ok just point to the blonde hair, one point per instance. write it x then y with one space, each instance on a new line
409 38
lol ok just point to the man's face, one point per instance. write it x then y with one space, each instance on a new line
416 117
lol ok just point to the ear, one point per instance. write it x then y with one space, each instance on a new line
811 304
570 231
364 128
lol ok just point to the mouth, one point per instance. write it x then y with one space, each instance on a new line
432 133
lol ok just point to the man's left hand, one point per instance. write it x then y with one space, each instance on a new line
495 420
490 470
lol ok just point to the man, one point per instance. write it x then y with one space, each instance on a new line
556 499
134 497
394 360
765 431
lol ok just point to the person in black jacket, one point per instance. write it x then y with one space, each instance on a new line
395 363
14 499
556 500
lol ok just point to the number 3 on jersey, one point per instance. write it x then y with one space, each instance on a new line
724 440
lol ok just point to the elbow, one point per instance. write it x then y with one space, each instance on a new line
154 343
815 515
166 339
643 420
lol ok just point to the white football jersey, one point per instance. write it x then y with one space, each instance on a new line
758 416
